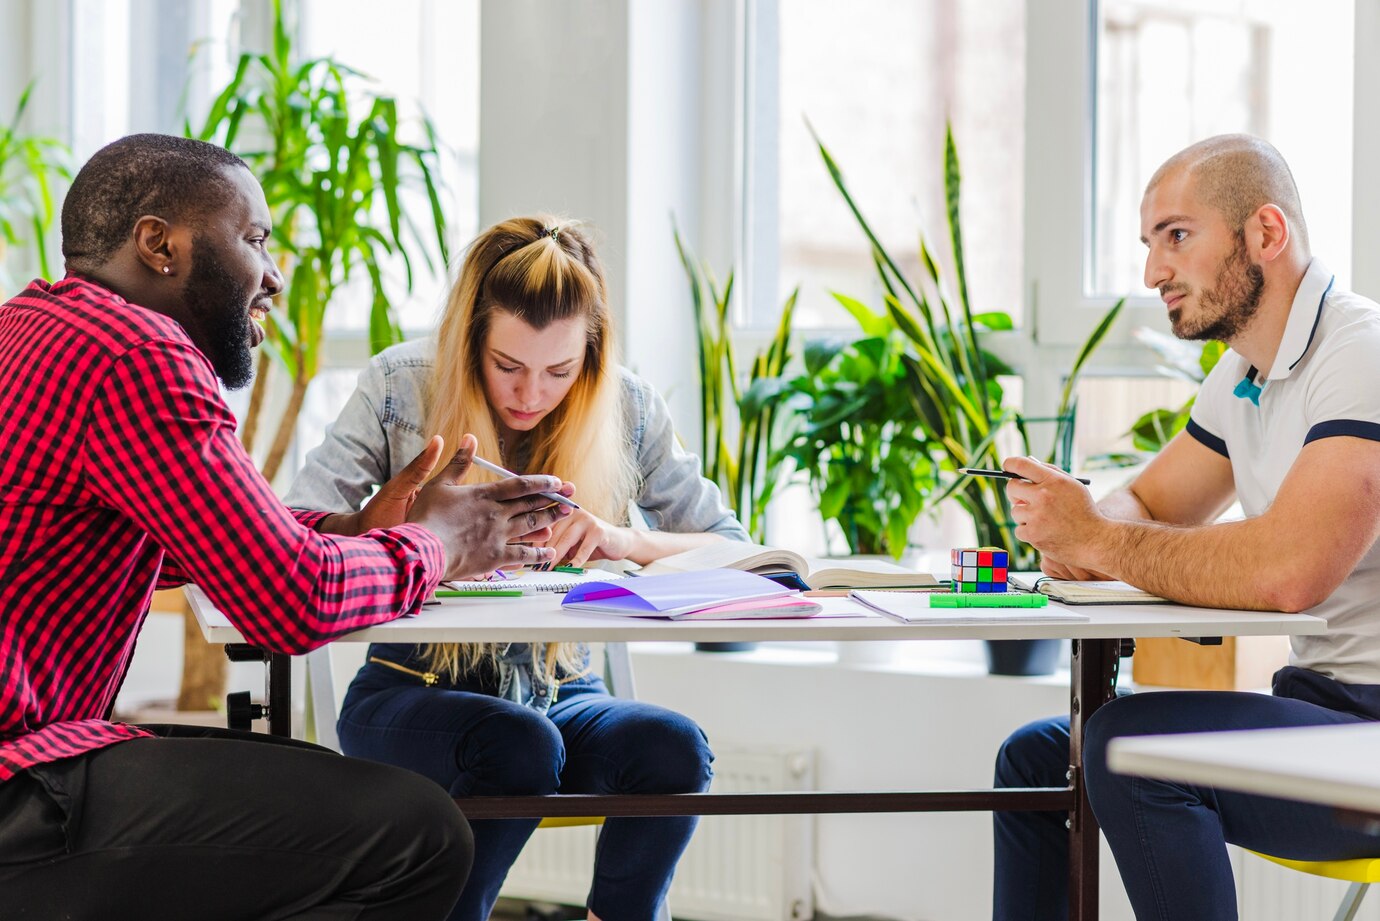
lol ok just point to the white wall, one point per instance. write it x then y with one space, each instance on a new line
593 109
931 726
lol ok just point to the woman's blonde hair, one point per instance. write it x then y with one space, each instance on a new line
540 270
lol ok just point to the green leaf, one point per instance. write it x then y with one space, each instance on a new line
994 320
820 352
1212 353
869 321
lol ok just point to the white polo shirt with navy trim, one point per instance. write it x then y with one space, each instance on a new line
1325 382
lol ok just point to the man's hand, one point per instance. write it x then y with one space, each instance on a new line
1055 514
489 526
583 537
390 505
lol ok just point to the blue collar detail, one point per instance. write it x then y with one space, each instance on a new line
1247 388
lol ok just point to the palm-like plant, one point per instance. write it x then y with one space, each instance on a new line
324 144
30 166
741 425
950 378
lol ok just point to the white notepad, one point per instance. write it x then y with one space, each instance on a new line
914 608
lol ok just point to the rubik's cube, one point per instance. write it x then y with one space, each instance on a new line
979 569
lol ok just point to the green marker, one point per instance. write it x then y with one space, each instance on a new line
940 600
573 569
480 593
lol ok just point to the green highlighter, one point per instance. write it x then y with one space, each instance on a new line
480 593
941 600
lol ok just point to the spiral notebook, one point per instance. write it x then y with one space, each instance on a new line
1068 592
560 582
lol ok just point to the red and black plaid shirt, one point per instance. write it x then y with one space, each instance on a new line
116 448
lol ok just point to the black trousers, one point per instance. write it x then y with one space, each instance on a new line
209 824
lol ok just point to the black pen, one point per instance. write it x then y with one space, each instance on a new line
1007 475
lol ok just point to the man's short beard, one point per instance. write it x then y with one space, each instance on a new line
221 305
1234 298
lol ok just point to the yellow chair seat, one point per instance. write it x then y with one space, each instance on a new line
570 821
1360 870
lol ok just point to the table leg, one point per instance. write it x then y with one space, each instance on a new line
280 695
1094 667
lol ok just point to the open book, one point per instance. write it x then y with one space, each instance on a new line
766 561
1068 592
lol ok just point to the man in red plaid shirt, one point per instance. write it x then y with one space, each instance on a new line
121 473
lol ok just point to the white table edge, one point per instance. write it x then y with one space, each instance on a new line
1108 622
1195 758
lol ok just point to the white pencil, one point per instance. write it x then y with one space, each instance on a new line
504 472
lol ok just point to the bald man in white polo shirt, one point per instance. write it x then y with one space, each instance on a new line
1288 423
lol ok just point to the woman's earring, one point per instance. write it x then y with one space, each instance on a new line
167 270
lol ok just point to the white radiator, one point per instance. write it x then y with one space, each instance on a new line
1269 892
737 868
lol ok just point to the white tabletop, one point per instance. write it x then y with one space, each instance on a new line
539 618
1332 765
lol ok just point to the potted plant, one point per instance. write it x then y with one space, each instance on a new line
323 141
952 381
868 462
741 426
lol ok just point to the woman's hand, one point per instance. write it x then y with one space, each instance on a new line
583 537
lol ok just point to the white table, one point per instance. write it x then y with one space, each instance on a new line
1096 654
1329 765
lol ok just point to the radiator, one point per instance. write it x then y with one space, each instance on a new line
1269 892
737 868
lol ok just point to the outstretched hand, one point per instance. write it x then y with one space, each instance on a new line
490 525
391 504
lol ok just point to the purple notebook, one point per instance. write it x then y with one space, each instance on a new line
671 594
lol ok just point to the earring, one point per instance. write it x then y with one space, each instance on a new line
167 270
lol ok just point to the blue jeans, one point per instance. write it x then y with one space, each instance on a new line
1169 839
475 744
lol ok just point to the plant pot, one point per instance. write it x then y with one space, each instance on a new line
1023 657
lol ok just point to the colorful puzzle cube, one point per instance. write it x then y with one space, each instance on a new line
979 569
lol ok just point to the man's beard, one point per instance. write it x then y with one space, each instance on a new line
1230 304
221 304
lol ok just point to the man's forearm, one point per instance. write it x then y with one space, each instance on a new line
1216 566
345 524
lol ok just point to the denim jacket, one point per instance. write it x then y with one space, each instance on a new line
380 431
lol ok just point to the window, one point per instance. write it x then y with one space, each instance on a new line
426 54
1114 87
131 70
1170 72
878 81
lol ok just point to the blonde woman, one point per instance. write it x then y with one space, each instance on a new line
524 360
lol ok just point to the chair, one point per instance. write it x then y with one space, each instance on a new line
1360 873
325 708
